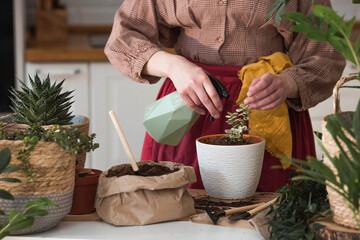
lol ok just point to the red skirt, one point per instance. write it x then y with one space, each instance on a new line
185 151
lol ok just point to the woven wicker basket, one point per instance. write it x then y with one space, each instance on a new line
342 214
80 122
55 178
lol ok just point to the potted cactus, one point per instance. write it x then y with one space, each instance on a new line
230 164
44 104
47 145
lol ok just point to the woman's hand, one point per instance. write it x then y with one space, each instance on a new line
269 91
191 82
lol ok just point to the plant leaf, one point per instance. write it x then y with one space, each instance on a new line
6 195
11 169
13 180
5 157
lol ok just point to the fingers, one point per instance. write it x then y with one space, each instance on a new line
266 92
194 87
202 94
210 98
193 102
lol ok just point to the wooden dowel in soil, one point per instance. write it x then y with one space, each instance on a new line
123 141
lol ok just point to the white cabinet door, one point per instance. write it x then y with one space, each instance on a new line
348 100
112 91
76 77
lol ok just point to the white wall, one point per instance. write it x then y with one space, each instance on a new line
347 8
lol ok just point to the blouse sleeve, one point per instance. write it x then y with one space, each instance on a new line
317 66
134 38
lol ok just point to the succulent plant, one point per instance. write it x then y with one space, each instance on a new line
44 103
238 121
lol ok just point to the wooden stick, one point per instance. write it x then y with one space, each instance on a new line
242 209
123 141
261 207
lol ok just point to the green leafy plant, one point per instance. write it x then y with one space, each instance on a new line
238 121
5 157
337 34
19 220
278 7
44 103
297 209
69 138
346 179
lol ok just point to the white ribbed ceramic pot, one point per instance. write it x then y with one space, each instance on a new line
230 171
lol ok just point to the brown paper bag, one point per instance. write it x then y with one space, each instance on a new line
138 200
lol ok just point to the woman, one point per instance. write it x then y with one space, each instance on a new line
220 36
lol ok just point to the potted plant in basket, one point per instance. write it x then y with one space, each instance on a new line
46 143
47 160
43 104
340 170
230 164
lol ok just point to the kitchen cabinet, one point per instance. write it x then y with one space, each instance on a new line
76 77
98 88
110 90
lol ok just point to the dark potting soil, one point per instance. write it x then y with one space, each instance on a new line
145 170
221 141
219 205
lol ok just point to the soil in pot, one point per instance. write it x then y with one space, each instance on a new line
145 170
220 140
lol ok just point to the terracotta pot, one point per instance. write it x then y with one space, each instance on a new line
85 192
230 171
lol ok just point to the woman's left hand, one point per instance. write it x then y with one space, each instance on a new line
267 92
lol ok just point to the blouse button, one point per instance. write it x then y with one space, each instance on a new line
221 2
220 39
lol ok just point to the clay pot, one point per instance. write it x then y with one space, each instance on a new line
85 192
230 171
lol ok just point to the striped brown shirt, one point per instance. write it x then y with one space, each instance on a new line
222 32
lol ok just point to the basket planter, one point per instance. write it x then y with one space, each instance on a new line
55 173
85 192
230 171
80 122
342 214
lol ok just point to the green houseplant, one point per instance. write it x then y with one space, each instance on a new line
340 170
43 103
222 158
47 160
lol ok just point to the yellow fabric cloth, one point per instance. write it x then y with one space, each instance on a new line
273 124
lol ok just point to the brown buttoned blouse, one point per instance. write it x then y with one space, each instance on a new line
222 32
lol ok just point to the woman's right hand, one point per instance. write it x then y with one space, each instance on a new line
191 82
